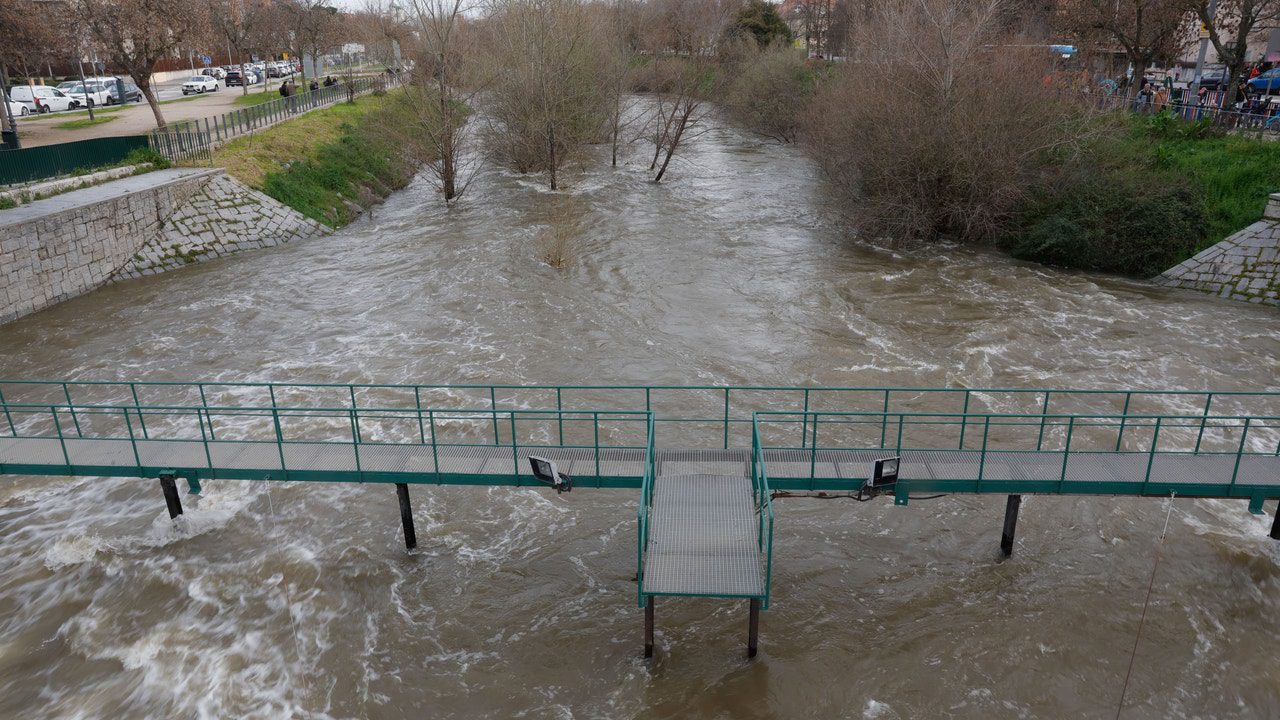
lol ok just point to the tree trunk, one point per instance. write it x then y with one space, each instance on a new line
144 84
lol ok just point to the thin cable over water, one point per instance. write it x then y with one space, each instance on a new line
1145 604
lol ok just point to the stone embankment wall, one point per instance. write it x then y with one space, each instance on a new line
56 249
1245 266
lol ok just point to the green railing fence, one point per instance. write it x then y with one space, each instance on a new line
37 163
643 512
764 509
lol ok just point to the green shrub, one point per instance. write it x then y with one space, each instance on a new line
1104 219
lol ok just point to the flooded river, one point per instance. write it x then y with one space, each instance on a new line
519 603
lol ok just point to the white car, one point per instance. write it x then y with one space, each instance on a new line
17 108
94 95
200 84
216 73
41 98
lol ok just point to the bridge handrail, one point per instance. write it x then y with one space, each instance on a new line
643 512
764 508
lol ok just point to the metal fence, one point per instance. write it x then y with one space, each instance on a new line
194 140
38 163
1260 118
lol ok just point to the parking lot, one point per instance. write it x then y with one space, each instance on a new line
136 118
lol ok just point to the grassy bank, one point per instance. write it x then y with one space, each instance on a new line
330 163
1152 192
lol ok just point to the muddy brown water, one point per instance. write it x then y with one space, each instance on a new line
519 603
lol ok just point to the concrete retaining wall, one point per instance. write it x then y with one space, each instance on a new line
62 247
1245 266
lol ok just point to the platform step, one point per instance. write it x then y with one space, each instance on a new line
703 538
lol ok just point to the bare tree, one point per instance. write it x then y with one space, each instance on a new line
136 34
1229 29
437 95
683 36
547 96
1147 30
314 25
229 23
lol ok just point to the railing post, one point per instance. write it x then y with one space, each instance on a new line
813 451
1066 451
72 408
12 428
435 454
284 469
493 406
204 439
515 444
205 404
1124 415
61 441
560 415
884 420
1204 417
804 421
417 403
1044 414
1239 453
133 442
982 458
141 420
964 419
1151 456
595 422
726 418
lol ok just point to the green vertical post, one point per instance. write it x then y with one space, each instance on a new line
417 404
1204 417
1044 414
138 408
813 451
898 444
72 408
1151 456
595 422
208 416
884 420
515 444
1124 415
137 460
964 419
204 439
1066 451
275 416
804 425
12 428
982 459
1239 453
560 414
61 441
493 407
726 418
435 454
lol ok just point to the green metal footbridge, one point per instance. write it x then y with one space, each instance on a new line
707 460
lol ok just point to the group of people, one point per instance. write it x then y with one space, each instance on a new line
288 88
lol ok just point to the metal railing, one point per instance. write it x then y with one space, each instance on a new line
644 511
46 161
199 440
764 509
962 440
194 139
698 416
1261 118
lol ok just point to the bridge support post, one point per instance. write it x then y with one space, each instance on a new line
169 485
1275 524
406 516
1010 524
753 628
648 627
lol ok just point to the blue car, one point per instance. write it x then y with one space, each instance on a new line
1268 82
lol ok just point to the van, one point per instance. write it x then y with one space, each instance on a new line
42 98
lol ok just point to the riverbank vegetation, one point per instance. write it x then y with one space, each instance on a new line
943 119
331 163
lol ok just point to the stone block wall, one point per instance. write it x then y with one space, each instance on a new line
63 247
223 217
1245 266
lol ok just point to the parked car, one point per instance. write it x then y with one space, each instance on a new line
199 84
1213 78
64 86
1267 83
17 108
41 98
131 92
90 94
216 73
250 78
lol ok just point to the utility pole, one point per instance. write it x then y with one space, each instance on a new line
84 86
1204 50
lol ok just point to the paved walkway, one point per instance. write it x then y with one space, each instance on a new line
96 194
